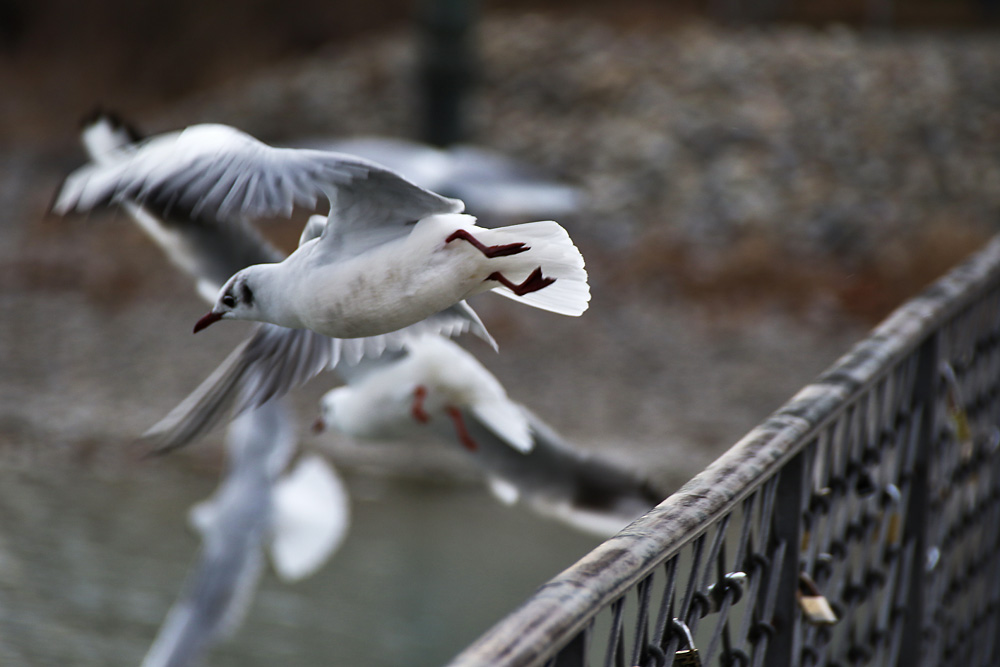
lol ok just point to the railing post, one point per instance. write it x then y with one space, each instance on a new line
917 504
787 530
574 654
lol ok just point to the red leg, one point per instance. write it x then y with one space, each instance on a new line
532 283
488 250
419 394
460 430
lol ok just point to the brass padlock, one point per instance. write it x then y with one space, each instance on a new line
957 413
686 657
815 608
894 529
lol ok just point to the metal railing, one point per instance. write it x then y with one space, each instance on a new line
858 525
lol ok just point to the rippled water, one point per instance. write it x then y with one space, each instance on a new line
89 566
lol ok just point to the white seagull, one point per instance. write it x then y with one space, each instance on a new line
389 255
434 386
434 380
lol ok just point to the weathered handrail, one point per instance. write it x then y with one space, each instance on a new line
884 400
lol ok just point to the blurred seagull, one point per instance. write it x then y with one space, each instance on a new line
300 515
491 184
389 255
435 386
434 379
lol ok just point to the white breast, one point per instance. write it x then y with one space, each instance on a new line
394 284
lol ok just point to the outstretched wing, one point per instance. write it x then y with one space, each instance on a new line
582 489
207 249
274 360
219 172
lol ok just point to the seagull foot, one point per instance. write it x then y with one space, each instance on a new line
419 394
532 283
490 251
460 430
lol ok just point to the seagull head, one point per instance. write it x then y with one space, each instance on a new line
328 409
236 301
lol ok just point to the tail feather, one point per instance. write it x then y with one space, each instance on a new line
551 249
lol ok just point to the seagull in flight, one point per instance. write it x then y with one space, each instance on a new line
433 386
390 253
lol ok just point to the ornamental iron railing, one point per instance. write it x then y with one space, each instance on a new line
858 525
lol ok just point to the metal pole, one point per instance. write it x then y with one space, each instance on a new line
917 506
788 530
447 68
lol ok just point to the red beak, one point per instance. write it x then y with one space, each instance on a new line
319 425
210 318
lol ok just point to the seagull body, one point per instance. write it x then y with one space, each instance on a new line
435 381
435 387
401 281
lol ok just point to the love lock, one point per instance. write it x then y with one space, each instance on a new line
687 657
815 607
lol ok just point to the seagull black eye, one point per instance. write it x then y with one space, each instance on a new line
228 301
247 295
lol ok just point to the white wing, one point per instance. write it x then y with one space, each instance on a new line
219 172
311 517
234 525
207 249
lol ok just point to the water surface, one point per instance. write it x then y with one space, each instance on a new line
89 565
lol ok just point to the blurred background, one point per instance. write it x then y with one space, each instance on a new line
763 180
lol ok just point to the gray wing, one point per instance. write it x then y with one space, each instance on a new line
218 172
427 166
235 524
353 373
274 360
207 249
490 183
267 364
557 479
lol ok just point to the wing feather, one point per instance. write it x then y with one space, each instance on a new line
215 171
274 360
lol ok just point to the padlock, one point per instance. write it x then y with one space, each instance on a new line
731 583
956 412
815 607
686 657
817 610
894 529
